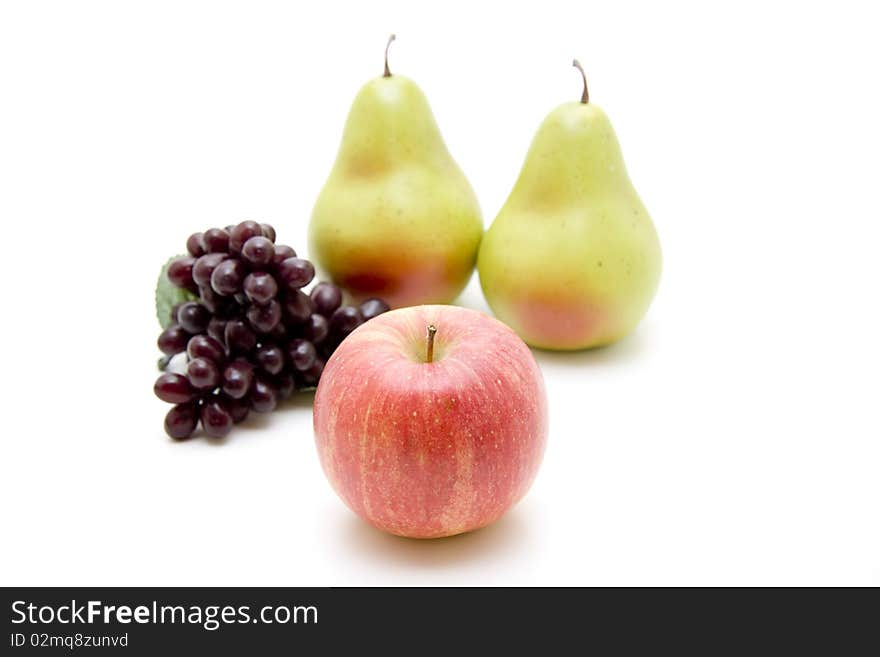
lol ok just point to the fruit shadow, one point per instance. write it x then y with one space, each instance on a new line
508 535
623 351
300 401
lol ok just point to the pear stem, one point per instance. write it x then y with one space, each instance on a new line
429 356
387 73
585 97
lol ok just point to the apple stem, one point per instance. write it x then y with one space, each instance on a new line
429 357
585 97
387 73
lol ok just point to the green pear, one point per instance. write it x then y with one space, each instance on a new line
572 260
397 218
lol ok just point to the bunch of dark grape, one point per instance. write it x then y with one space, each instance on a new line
253 336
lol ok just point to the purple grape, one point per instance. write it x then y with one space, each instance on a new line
216 240
229 309
345 320
326 348
260 287
237 378
285 385
263 396
195 245
173 340
239 336
264 318
205 266
279 333
227 277
204 346
182 420
296 272
373 307
173 314
315 330
239 409
298 306
270 358
217 304
174 389
203 374
216 420
210 299
193 317
180 271
282 253
327 298
258 251
268 232
241 234
302 354
311 377
217 329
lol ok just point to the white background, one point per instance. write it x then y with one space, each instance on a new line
733 439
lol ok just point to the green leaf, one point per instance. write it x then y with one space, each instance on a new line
167 296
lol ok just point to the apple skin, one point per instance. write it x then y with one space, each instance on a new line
426 450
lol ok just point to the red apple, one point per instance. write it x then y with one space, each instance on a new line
431 434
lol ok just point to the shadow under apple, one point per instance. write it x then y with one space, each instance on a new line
508 535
